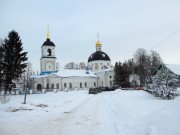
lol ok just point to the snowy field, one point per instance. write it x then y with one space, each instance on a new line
78 113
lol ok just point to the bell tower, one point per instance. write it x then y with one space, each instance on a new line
48 59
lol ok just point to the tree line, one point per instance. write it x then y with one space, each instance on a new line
76 66
143 64
13 60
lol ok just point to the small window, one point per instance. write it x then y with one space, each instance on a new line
49 52
70 85
80 85
85 84
96 66
110 77
64 85
94 84
102 83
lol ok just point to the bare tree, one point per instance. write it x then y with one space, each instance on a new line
146 64
77 66
82 65
155 60
27 77
70 65
141 59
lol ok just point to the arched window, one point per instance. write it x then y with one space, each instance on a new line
102 83
49 52
57 86
70 85
80 85
85 84
65 85
47 86
52 86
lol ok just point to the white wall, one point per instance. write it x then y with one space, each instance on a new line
100 64
44 50
105 77
48 64
75 81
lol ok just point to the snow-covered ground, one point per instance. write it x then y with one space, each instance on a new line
78 113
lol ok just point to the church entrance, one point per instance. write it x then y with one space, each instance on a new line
39 87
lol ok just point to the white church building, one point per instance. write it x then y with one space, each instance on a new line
98 73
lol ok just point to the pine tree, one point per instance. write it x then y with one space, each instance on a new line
118 77
1 67
125 75
13 59
116 74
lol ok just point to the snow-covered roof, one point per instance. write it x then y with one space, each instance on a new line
40 76
106 70
109 69
69 73
174 68
75 73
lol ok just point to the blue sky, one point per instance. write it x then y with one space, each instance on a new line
124 26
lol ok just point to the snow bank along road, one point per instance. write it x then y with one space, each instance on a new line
78 113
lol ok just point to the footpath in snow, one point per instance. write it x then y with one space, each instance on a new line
78 113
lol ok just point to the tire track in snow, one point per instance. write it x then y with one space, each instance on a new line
77 120
83 119
107 116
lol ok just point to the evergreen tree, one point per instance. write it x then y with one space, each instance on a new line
125 75
116 74
121 74
1 67
13 59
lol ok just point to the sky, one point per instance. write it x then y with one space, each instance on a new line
123 26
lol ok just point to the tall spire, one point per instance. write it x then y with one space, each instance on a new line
48 33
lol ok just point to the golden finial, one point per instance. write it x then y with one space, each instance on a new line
48 33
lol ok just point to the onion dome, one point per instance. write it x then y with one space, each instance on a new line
99 55
98 44
48 42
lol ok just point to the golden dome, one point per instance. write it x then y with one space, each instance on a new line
98 44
